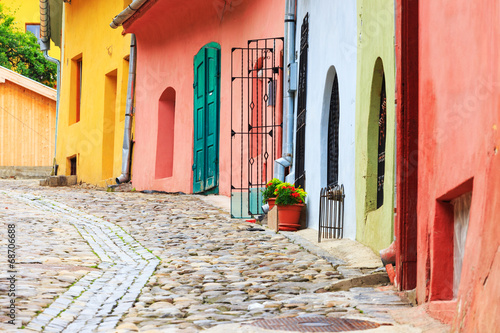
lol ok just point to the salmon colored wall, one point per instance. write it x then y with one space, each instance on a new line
27 126
28 11
169 35
459 119
97 138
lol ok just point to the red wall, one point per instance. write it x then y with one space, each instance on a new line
459 120
169 34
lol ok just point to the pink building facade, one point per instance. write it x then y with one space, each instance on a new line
187 91
449 166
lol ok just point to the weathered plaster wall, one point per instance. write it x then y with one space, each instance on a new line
169 35
459 121
102 50
332 49
375 227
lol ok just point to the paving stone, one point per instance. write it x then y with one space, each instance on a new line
210 271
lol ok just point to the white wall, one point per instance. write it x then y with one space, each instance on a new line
332 47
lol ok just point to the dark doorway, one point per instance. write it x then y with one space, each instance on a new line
72 166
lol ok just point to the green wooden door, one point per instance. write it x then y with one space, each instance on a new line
206 119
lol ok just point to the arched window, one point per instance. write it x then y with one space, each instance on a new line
166 129
376 136
333 135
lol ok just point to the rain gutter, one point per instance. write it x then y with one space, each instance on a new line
290 84
126 13
129 113
44 42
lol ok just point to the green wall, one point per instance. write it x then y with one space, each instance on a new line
375 43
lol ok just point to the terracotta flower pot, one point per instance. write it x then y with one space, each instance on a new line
289 217
271 202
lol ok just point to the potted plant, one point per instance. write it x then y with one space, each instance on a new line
268 194
290 201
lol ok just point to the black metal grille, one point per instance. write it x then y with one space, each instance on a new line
333 135
331 212
302 103
256 121
381 145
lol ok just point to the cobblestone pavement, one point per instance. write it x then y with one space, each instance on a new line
94 253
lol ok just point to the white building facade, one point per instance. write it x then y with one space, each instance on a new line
326 30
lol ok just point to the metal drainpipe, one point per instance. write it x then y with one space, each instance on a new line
126 13
288 97
44 47
129 112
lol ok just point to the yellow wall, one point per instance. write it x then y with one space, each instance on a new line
97 138
28 11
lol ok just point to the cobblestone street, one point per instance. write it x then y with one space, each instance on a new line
89 260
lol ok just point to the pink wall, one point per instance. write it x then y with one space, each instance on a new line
459 120
169 34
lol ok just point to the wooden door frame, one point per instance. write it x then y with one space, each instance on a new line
407 95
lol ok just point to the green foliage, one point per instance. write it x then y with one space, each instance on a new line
287 194
20 52
270 188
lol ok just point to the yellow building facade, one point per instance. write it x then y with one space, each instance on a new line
27 17
93 92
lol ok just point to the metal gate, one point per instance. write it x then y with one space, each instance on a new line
331 212
256 121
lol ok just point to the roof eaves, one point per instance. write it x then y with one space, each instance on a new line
23 81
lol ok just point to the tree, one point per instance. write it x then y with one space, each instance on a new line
20 52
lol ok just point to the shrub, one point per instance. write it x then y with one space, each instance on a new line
287 194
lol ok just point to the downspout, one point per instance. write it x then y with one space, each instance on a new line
44 42
129 108
289 82
129 112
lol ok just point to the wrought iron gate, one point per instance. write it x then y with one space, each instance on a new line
256 121
331 212
301 106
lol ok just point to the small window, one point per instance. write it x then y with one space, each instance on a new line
461 212
76 89
34 28
72 165
79 70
